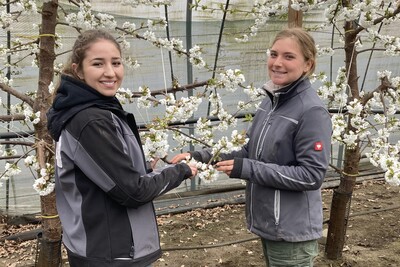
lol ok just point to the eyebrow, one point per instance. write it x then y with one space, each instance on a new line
285 53
100 58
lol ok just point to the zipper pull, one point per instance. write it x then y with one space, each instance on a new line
132 252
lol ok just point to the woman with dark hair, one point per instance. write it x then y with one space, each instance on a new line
104 188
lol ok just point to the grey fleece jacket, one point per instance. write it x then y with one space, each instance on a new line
284 164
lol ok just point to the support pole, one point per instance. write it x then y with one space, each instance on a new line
189 69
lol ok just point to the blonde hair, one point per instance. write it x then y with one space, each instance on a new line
305 41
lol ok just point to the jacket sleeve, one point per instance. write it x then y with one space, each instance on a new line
104 157
312 146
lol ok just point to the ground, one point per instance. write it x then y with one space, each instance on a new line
218 237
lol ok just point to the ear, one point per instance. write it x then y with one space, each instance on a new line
76 70
308 66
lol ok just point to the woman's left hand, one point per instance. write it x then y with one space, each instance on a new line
153 163
225 166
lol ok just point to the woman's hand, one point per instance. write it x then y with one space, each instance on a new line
153 163
180 157
225 166
194 170
184 156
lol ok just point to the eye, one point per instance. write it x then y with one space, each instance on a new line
117 63
97 64
273 54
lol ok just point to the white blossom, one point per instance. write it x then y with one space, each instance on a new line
195 57
143 101
51 88
34 118
43 186
31 161
155 144
11 169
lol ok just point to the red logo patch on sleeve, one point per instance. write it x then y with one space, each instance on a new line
318 146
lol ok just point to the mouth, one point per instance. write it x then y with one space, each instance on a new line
108 83
278 72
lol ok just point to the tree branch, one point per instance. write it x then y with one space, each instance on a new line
14 117
17 143
4 87
385 84
174 89
380 19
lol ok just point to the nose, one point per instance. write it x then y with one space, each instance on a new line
277 61
109 70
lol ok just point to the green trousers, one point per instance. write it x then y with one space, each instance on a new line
290 254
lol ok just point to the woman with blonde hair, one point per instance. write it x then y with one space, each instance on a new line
285 161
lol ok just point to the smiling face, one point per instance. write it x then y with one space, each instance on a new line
102 67
286 62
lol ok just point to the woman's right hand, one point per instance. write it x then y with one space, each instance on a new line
194 170
178 158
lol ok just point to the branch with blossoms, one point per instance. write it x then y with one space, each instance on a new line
369 127
207 171
180 110
44 184
175 89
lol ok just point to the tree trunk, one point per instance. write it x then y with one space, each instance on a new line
341 200
340 207
50 238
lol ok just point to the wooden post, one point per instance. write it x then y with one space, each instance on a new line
295 18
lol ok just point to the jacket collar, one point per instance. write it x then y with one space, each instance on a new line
72 97
289 90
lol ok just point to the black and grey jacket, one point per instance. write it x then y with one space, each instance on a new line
284 164
104 192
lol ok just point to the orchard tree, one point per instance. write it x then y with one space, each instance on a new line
367 121
42 49
357 126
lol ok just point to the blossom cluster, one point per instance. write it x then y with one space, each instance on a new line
363 124
10 168
180 109
155 143
44 185
86 19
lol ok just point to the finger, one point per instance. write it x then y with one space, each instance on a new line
179 157
224 163
225 168
194 170
154 162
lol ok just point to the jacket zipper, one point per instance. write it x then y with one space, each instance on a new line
132 251
277 206
260 144
264 130
251 205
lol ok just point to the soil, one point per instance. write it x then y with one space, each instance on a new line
218 236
